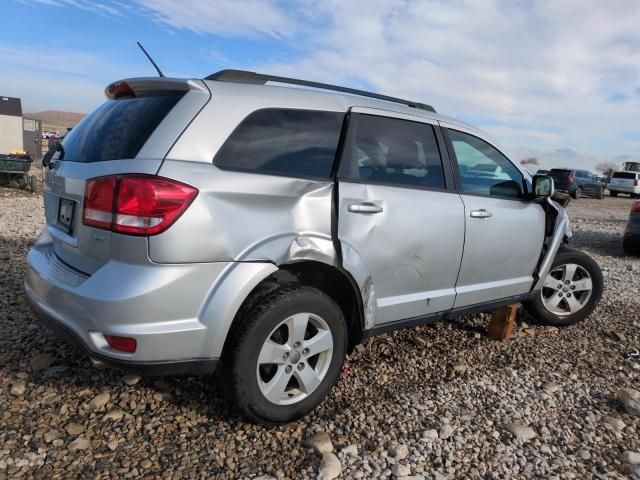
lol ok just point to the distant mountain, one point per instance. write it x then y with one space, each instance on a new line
56 119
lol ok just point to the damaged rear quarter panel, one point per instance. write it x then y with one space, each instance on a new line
247 217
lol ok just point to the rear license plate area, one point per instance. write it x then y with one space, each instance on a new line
66 209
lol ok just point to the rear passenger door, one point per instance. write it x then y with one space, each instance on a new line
504 231
401 223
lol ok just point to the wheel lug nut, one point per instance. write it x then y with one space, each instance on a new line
300 366
568 294
560 294
286 355
573 287
560 286
288 369
296 345
305 351
567 282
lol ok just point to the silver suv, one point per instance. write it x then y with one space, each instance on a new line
265 230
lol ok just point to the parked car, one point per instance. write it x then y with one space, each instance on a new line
577 182
625 182
631 242
542 172
266 231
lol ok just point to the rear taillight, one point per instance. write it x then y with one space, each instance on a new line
123 344
135 204
635 207
570 180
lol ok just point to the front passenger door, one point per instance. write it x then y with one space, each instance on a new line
504 232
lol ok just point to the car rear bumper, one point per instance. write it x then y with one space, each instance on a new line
159 305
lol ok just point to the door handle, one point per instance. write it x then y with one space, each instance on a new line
482 213
365 207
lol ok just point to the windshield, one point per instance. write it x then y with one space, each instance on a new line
117 129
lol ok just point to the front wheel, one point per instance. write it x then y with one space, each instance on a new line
577 193
286 355
570 292
600 194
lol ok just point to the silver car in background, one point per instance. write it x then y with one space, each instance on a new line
265 230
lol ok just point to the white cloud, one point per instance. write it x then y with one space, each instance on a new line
220 17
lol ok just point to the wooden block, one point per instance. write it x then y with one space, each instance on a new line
502 321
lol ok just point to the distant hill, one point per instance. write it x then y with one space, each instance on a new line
56 119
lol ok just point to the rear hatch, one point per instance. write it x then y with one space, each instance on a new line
623 180
560 177
130 133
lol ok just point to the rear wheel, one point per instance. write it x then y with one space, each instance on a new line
570 292
577 193
286 355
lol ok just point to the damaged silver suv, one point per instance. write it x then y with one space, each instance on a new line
244 224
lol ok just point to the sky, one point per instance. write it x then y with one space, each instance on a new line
554 79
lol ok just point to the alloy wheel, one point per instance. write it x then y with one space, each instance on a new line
294 359
566 290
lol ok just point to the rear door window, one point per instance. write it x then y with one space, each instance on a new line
625 175
117 129
296 143
391 151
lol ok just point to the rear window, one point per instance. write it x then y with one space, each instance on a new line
297 143
117 129
626 175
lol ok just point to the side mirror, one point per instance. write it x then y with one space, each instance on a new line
542 186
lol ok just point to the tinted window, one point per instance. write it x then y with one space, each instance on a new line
483 169
627 175
117 129
299 143
391 151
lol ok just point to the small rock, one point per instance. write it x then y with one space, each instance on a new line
630 399
58 443
614 423
330 467
100 400
445 431
320 442
41 361
619 336
550 387
584 454
131 380
350 450
79 443
459 368
51 435
113 444
18 388
113 415
630 457
400 470
146 463
430 434
74 428
261 477
518 430
400 452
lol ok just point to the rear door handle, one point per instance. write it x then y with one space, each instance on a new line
365 207
482 213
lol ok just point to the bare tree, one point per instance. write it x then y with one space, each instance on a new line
606 168
529 161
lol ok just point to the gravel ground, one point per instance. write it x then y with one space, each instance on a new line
434 402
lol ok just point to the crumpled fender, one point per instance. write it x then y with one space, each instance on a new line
561 233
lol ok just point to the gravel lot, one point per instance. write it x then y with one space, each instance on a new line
435 402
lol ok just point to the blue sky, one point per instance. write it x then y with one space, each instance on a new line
558 79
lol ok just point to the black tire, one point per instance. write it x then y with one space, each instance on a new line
577 193
629 247
535 307
600 194
238 369
613 194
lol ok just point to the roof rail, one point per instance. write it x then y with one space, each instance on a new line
243 76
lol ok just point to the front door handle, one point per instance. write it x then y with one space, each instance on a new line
482 213
365 207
